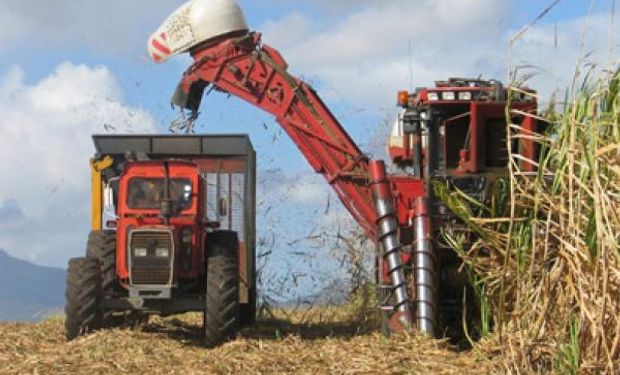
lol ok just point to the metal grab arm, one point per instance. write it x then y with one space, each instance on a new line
257 73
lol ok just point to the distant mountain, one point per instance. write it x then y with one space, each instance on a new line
29 292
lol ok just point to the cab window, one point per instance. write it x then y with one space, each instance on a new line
146 193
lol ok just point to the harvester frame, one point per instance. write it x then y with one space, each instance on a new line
420 281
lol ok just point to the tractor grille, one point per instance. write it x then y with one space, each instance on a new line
150 277
151 268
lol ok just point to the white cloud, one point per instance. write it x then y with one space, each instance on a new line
364 57
10 211
555 50
100 26
296 193
288 30
45 145
11 28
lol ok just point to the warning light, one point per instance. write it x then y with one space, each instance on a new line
403 98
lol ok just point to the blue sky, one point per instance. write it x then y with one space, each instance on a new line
67 68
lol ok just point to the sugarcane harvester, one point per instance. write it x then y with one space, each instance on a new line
454 131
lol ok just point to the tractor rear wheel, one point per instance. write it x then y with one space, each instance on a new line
221 314
83 314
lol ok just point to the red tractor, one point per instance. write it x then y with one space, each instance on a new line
454 133
173 231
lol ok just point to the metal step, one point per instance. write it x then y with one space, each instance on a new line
385 297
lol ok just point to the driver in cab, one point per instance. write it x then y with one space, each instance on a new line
145 195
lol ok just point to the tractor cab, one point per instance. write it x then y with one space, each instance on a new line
158 221
148 188
458 128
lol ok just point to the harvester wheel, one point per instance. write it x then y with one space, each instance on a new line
221 314
83 292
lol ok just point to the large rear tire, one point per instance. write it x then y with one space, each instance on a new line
83 314
221 314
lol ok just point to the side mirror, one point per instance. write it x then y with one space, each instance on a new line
222 207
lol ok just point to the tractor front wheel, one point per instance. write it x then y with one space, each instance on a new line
221 314
102 247
83 314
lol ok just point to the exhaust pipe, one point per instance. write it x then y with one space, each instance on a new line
388 237
165 211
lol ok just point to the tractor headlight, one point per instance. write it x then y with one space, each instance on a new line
465 95
140 252
162 252
433 96
448 95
